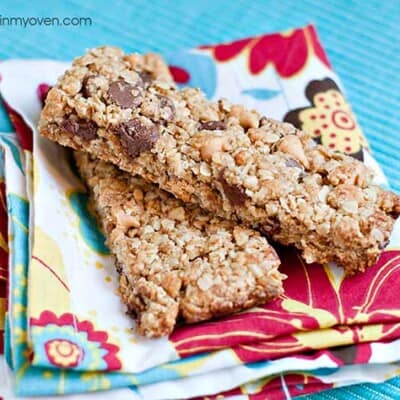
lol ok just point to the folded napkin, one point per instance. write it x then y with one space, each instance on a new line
33 381
75 320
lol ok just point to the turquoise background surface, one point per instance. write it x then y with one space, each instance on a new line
362 39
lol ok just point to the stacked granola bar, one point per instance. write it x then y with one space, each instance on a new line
176 260
223 158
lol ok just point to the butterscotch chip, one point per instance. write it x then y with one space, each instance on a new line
176 261
292 145
211 146
275 178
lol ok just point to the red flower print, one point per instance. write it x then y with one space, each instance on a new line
23 131
67 342
349 310
179 74
63 353
227 51
287 52
42 91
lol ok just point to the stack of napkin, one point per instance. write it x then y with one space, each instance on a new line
66 331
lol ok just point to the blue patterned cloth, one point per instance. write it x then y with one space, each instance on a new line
361 38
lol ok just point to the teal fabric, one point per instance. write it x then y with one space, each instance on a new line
361 38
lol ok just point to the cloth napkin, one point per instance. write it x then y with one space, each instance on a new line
33 380
286 76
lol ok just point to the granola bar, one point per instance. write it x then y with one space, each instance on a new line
229 160
177 260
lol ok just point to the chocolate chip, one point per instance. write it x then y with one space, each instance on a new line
263 121
213 125
125 94
290 162
270 228
86 90
86 130
146 78
383 244
118 267
234 193
131 312
167 108
137 137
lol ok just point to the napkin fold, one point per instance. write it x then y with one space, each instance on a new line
67 339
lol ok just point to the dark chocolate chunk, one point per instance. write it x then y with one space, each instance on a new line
86 90
125 94
146 78
137 137
263 121
131 312
86 130
383 244
213 125
167 108
271 227
234 193
119 267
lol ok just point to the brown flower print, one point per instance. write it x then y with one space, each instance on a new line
329 119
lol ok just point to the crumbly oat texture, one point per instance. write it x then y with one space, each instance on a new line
175 260
223 157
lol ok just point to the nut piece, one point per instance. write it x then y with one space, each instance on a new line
211 146
260 135
126 221
241 235
240 158
291 145
345 192
247 119
350 206
177 213
205 282
355 173
138 195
